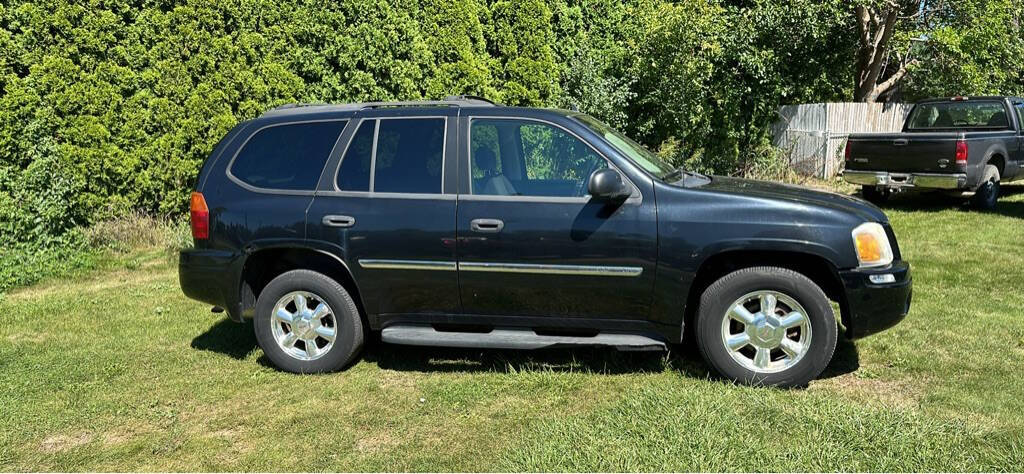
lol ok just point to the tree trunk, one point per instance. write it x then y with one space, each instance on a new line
875 30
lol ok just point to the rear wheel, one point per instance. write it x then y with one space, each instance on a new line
875 195
987 195
766 325
307 323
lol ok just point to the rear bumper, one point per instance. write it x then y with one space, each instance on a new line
873 307
886 179
206 275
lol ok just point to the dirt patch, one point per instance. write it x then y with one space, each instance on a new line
106 281
61 442
900 393
374 443
124 434
395 380
27 338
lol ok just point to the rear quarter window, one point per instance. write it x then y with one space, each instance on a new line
287 157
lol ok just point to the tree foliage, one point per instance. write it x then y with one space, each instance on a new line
110 106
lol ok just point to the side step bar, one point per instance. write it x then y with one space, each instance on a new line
513 339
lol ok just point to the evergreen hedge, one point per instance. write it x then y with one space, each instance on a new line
110 106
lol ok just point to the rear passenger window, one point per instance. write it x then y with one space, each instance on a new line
289 157
409 156
354 174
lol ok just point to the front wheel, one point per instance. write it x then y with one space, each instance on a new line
767 326
307 323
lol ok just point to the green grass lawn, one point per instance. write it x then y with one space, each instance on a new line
117 370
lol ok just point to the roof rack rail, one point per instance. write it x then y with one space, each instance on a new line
450 101
294 105
470 98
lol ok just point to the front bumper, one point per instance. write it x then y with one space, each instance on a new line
873 307
885 179
206 275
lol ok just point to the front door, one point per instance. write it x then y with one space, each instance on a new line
531 242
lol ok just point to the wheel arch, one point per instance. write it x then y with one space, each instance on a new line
818 268
263 264
997 159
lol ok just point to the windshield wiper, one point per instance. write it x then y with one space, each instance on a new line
675 173
680 171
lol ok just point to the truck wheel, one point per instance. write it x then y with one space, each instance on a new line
874 195
988 193
766 326
307 323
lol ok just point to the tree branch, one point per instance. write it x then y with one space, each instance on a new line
888 84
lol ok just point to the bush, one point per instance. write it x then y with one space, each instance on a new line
109 107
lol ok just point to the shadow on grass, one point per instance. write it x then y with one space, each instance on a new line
227 337
238 341
582 359
937 202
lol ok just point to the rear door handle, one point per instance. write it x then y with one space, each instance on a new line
486 225
339 221
900 141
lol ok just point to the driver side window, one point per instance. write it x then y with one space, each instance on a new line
527 158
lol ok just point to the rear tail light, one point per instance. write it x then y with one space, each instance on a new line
961 152
846 153
199 216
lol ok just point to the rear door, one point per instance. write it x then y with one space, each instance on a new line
532 243
384 206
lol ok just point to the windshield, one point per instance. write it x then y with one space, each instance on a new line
635 151
963 114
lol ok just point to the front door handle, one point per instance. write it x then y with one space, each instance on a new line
492 226
339 221
900 141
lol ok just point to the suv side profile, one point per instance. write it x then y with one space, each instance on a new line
464 223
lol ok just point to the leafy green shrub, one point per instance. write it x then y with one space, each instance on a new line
109 107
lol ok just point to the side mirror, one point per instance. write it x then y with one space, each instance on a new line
607 184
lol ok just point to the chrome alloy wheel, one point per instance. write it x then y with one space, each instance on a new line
766 331
303 325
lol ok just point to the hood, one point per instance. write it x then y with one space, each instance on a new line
797 195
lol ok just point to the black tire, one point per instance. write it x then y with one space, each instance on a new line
874 195
718 299
349 326
987 195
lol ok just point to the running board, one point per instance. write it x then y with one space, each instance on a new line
513 339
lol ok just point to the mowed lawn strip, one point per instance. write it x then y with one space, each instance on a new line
119 371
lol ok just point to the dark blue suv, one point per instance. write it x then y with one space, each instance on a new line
463 223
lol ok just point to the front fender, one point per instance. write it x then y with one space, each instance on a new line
816 249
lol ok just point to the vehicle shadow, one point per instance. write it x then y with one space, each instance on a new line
236 340
581 359
936 202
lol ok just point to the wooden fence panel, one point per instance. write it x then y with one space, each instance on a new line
814 135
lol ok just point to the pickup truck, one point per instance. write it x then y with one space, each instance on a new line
964 146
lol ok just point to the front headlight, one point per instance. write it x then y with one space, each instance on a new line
872 245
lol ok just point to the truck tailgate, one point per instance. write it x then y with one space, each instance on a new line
903 152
